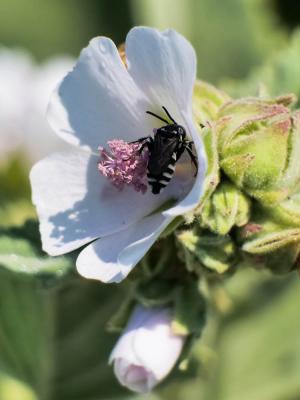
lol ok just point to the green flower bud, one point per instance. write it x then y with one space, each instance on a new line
207 100
288 211
205 252
269 242
259 147
227 207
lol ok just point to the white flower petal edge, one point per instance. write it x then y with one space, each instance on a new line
111 258
147 350
76 204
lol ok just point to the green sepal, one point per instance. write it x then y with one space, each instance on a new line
189 310
288 211
155 292
207 100
212 177
283 260
267 241
227 207
206 252
120 318
172 226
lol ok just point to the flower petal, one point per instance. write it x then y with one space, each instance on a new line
163 65
98 100
147 350
155 337
76 204
110 259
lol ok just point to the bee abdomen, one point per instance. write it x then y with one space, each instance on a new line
158 183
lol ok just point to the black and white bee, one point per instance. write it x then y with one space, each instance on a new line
165 149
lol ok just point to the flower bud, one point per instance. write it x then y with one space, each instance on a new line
206 252
269 242
227 207
147 350
259 145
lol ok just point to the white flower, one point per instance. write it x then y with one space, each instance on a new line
99 101
24 95
147 350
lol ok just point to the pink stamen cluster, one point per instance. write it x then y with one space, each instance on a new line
123 165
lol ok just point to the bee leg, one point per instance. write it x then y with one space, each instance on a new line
146 142
188 147
141 140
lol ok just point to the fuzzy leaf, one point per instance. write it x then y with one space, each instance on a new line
20 253
54 338
52 322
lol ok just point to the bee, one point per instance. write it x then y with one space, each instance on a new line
165 149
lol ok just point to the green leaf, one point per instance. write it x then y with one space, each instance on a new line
54 339
258 351
20 252
52 322
13 389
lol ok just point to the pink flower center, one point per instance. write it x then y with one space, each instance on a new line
123 165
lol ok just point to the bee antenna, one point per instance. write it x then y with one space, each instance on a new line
157 116
169 115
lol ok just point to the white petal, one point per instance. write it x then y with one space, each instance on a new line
163 65
155 345
192 199
98 100
76 204
147 350
110 259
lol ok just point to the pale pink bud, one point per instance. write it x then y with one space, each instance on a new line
147 350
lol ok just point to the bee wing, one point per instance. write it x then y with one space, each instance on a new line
161 154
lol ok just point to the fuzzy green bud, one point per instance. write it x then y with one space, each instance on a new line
205 252
267 241
227 207
259 147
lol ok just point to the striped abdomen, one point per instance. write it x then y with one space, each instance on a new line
160 181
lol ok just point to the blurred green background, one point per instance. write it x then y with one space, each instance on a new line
251 347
